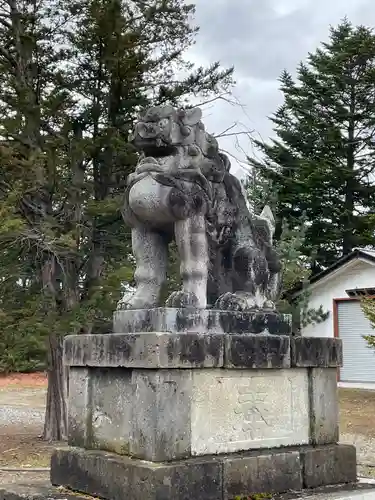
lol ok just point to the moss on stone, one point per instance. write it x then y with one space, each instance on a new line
115 446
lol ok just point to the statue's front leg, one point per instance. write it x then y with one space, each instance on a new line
192 245
150 252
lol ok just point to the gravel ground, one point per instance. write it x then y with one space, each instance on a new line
22 416
31 486
365 453
22 407
23 477
365 447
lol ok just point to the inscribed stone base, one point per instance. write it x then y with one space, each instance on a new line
175 414
163 396
222 477
165 319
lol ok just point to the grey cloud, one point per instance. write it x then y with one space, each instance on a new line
257 100
364 14
261 38
252 36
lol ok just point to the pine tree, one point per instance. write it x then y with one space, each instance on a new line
368 307
323 159
73 76
33 104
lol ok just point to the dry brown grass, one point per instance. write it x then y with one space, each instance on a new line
357 412
23 448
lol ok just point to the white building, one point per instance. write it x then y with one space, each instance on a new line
338 290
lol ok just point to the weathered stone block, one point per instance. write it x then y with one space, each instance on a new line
173 414
213 477
145 350
115 478
161 424
168 413
234 410
332 464
111 410
100 406
164 319
257 351
322 352
265 472
79 412
324 405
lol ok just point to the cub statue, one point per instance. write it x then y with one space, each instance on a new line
182 189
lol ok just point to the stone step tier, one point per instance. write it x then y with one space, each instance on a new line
187 415
168 319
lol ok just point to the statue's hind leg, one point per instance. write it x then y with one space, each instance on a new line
150 252
191 240
250 277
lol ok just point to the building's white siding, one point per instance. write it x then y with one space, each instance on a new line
356 274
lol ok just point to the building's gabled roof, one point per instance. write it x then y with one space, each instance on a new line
357 253
369 251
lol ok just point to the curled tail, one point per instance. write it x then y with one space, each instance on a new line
267 216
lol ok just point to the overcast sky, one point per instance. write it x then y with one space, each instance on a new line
260 38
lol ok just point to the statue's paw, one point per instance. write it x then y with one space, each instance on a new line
269 305
126 302
236 302
135 301
182 299
228 302
123 306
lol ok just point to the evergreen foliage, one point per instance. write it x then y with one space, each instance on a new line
321 163
73 76
368 307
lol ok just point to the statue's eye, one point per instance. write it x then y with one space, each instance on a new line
164 122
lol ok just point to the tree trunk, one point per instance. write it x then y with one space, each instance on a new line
56 420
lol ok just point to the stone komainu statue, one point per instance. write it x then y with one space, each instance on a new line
182 189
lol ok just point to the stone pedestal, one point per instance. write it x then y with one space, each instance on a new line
166 319
157 416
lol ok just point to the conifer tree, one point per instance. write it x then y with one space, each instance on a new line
73 76
322 162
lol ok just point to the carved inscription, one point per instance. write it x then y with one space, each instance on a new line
238 412
252 406
256 404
